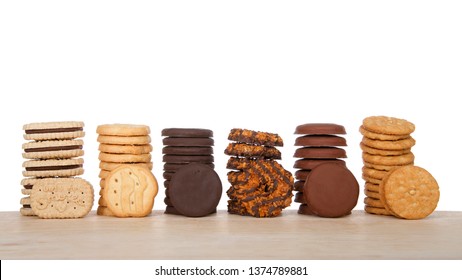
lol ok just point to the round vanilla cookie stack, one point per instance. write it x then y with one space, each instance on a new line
121 144
53 152
386 145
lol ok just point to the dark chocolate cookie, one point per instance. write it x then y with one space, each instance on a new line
255 137
197 151
187 159
187 132
188 141
309 164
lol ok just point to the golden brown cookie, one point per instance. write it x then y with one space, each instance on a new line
383 167
379 136
124 158
379 152
371 194
371 180
371 187
130 191
123 130
389 160
388 125
373 202
374 173
398 145
411 192
376 211
125 149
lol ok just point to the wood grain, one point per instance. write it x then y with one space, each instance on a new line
224 236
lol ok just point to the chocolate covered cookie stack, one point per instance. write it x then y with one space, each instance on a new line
325 187
260 187
192 187
53 159
121 144
386 145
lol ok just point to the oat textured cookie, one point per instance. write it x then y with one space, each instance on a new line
377 211
53 131
388 125
130 191
60 198
410 192
389 160
379 152
398 145
379 136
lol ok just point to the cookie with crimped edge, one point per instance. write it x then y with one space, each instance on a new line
26 210
27 184
255 137
379 136
398 145
389 160
410 192
130 191
380 152
125 149
104 211
53 149
53 131
388 125
124 140
124 158
123 130
61 198
371 194
53 168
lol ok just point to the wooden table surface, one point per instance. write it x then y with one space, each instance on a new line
224 236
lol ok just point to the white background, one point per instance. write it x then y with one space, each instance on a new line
262 65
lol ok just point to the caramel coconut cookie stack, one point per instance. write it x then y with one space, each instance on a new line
325 187
260 187
53 159
125 157
192 187
393 185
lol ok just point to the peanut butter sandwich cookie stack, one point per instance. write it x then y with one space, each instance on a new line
128 187
260 187
53 160
192 187
325 187
393 185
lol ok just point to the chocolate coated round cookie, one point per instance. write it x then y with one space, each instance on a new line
195 190
320 141
187 132
187 141
320 128
331 190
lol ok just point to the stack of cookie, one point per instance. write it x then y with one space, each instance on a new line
184 146
121 144
260 187
319 162
53 158
386 145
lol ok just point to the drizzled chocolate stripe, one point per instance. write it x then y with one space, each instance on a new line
53 130
52 149
233 178
52 168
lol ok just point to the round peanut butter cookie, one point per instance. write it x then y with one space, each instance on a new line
383 167
379 152
398 145
124 140
53 168
379 136
388 125
123 130
377 211
411 192
109 166
53 131
130 191
371 180
53 149
320 129
125 149
374 173
371 187
370 194
389 160
373 202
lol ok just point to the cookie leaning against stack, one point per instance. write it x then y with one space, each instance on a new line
52 162
192 187
386 145
325 186
120 145
260 187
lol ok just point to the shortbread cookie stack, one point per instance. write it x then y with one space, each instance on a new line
325 187
386 145
192 187
53 159
121 144
260 186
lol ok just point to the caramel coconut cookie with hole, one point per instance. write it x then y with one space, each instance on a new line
260 186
